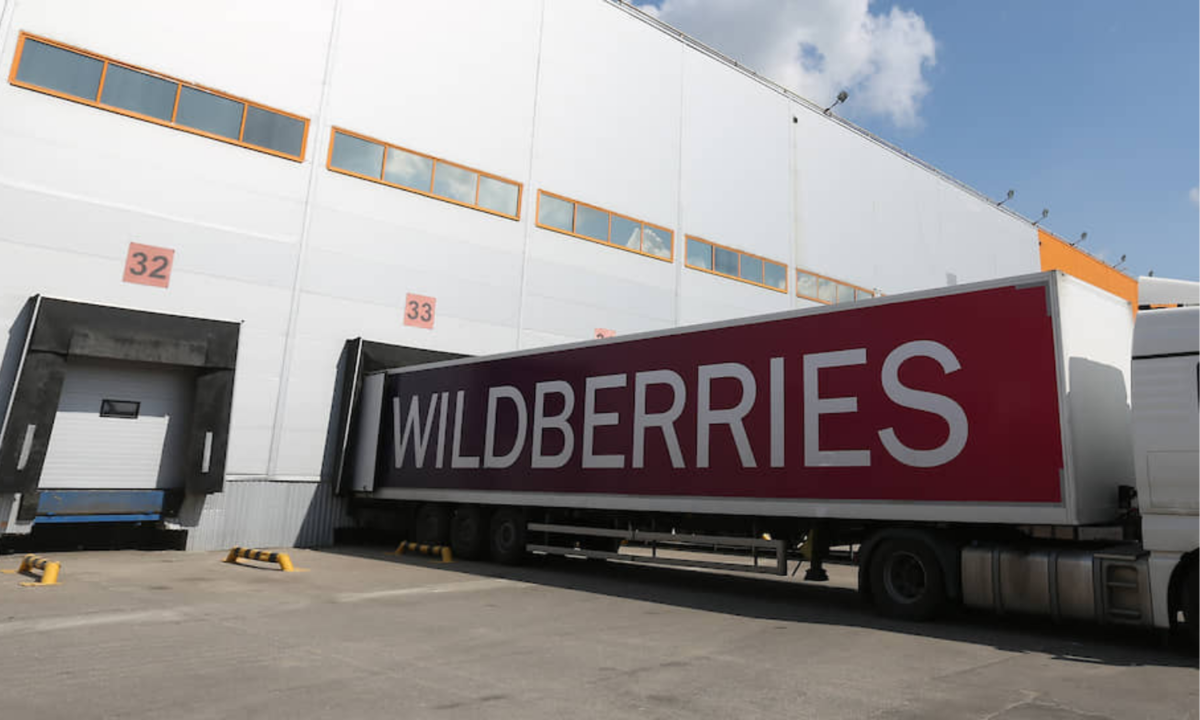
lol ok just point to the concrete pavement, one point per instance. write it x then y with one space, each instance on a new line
134 634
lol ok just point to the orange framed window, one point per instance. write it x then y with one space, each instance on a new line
365 157
589 222
827 290
70 73
709 257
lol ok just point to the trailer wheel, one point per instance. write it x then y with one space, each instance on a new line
432 525
1189 602
508 536
468 532
906 580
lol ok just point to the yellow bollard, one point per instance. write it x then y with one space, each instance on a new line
281 559
442 551
32 562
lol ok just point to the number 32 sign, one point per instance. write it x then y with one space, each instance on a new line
419 310
149 265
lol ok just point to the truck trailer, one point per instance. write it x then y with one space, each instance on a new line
1012 445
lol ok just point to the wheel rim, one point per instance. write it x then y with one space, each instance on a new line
905 577
505 536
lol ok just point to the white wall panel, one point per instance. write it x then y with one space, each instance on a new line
451 79
579 321
97 156
873 218
378 223
618 289
608 112
627 296
535 339
708 298
361 258
735 160
35 217
310 389
268 51
255 390
607 135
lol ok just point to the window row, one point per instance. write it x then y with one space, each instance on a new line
91 79
720 260
50 67
826 290
375 160
561 214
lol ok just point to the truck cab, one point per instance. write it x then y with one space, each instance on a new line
1166 443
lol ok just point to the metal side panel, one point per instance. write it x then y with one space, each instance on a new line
266 514
367 446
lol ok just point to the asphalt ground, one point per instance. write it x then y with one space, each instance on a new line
363 634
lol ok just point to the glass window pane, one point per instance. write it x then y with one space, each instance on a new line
657 242
752 269
409 170
498 195
726 261
626 233
591 222
357 155
271 130
845 293
699 254
806 284
61 70
826 290
555 213
775 276
138 92
455 183
863 294
128 409
210 113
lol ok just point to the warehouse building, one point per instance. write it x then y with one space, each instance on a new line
216 217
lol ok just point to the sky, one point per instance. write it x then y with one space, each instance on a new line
1087 108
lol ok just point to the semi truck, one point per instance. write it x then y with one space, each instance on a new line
1018 445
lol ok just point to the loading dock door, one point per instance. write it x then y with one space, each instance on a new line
120 426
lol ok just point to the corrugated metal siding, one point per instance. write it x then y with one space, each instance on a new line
261 513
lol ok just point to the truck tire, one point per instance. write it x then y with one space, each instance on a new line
468 532
432 525
508 536
907 580
1189 602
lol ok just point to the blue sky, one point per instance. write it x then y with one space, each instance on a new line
1088 108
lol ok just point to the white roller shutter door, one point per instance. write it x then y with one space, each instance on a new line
90 451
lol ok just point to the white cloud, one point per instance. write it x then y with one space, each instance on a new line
1194 195
819 47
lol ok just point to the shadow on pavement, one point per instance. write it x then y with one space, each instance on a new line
792 601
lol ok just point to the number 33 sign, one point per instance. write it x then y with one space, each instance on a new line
419 310
149 265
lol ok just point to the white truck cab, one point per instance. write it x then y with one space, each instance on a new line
1166 443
